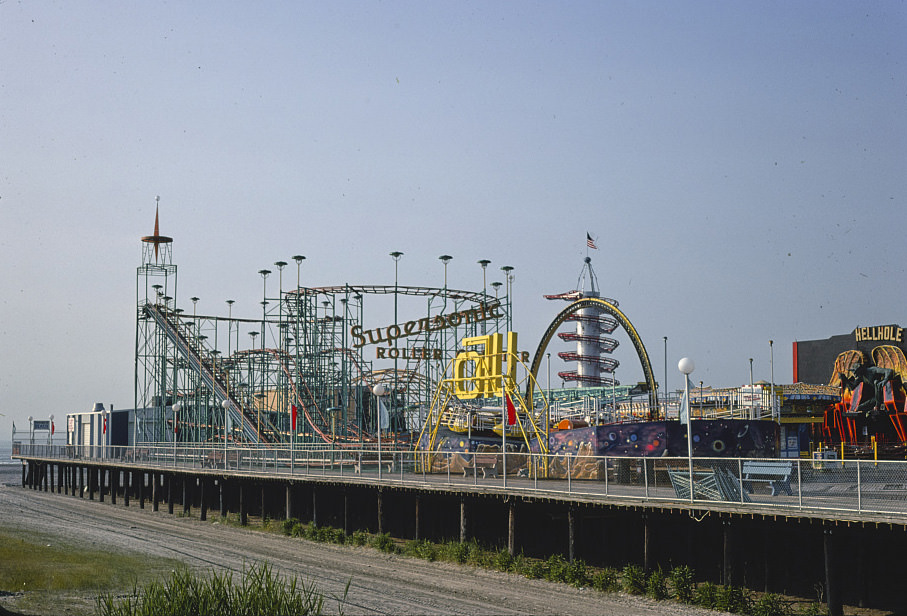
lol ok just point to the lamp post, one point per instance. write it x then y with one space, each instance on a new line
508 280
752 393
177 407
484 263
396 257
771 363
225 404
666 378
686 366
50 432
379 390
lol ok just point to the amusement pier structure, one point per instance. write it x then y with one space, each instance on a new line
304 371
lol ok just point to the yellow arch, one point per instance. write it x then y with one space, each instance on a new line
615 312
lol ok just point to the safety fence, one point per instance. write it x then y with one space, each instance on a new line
785 485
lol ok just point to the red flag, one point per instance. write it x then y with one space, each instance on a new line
105 424
52 428
294 417
511 412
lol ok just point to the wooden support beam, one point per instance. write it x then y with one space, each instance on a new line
832 574
203 502
155 491
463 519
571 533
511 528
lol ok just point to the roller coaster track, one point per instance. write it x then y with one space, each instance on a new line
214 380
608 344
607 364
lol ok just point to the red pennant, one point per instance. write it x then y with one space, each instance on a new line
294 417
511 411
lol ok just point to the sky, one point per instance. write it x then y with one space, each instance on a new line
740 165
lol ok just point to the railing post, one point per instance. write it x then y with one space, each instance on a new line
740 477
799 484
569 485
606 475
645 475
859 490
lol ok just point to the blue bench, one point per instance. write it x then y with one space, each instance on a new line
776 473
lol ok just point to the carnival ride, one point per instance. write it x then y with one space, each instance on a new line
871 416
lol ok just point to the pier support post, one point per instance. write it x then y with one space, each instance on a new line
102 483
187 500
289 502
48 476
141 487
464 520
315 507
380 512
346 511
571 533
832 575
223 500
263 504
728 533
243 514
169 479
646 543
24 474
155 492
127 486
114 485
203 503
511 528
418 502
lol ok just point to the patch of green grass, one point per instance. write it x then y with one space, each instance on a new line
33 562
259 591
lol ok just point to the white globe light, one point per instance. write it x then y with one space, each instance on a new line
686 365
380 389
225 404
177 407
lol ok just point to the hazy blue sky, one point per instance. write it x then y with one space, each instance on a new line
741 164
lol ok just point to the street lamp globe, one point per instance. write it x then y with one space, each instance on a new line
686 365
379 389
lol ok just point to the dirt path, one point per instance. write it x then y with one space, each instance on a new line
379 583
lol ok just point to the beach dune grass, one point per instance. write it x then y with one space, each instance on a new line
30 562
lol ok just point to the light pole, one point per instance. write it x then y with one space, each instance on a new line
379 390
176 409
771 363
225 404
396 257
666 378
752 393
445 259
686 366
230 303
484 263
508 280
50 433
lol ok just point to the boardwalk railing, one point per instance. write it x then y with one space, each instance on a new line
785 485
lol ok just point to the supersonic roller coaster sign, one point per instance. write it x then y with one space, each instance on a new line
392 333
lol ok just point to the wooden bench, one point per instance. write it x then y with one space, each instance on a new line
371 459
776 473
487 463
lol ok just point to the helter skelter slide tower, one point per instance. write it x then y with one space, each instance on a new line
594 367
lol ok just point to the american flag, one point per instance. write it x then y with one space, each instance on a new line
590 242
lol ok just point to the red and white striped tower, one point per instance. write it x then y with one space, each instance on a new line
592 343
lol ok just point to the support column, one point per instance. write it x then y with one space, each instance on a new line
155 491
47 476
243 514
346 510
464 519
127 486
571 534
203 503
24 474
141 487
263 504
728 553
114 485
187 499
169 480
289 502
418 502
223 501
380 512
511 527
646 542
315 507
90 479
832 575
102 481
